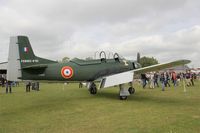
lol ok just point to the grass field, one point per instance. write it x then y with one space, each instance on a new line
69 109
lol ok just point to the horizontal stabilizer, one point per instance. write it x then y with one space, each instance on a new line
39 66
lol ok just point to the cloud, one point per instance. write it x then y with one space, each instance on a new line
182 44
166 30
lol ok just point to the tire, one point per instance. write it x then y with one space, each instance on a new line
123 97
131 90
93 89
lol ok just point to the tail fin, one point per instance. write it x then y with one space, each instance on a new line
20 56
25 49
26 54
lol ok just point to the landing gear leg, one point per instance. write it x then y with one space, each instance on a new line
92 88
123 93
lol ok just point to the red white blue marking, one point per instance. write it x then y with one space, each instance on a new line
26 49
67 72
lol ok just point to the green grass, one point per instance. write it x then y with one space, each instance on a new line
55 109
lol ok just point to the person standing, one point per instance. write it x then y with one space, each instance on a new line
28 86
178 77
188 78
192 79
80 85
37 86
3 82
17 83
156 79
8 85
167 79
162 80
144 80
151 78
174 78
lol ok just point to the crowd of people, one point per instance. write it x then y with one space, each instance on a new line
166 78
9 84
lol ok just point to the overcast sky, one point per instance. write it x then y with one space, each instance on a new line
164 29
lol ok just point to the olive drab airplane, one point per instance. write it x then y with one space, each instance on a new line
23 64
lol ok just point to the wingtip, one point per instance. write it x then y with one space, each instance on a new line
187 61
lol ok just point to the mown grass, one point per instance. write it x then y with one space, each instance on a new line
70 109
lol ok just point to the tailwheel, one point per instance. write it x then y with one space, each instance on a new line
123 97
93 89
131 90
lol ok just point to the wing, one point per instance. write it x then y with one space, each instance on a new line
162 66
126 77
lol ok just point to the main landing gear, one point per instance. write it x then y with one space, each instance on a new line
125 92
92 88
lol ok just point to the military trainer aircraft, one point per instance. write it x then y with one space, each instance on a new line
23 64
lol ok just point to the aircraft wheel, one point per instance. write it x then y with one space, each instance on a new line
93 89
123 97
131 90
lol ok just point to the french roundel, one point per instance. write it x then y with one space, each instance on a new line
67 72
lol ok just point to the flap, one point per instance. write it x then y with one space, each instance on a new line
116 79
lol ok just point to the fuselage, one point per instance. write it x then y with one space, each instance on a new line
79 70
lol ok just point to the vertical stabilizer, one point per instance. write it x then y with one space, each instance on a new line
26 54
25 49
21 56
